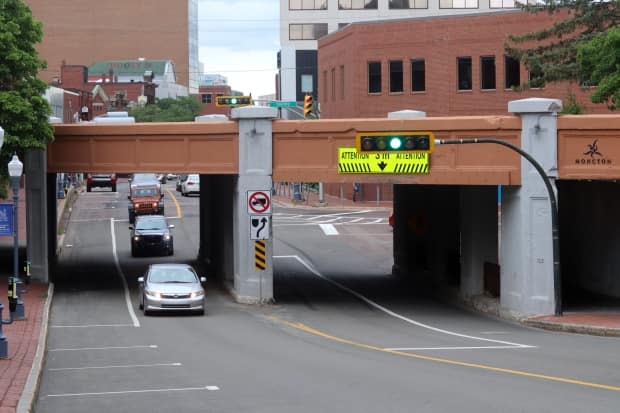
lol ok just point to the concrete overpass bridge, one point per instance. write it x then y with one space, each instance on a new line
446 229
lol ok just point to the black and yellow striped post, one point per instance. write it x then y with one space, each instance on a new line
260 260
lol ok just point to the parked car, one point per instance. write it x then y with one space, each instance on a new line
171 287
171 176
151 233
191 185
180 180
100 181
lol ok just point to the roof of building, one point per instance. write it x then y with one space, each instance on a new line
129 67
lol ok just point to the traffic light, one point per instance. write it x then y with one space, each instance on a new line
233 100
307 105
395 142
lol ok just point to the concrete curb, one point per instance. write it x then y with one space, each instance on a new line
27 401
574 328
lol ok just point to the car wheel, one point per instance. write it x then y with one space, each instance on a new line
141 304
132 217
133 251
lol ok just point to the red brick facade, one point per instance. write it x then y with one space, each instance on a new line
86 32
343 66
207 94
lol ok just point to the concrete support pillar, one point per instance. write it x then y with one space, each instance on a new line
527 285
478 220
252 285
35 167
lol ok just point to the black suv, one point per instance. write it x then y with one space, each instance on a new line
100 181
151 232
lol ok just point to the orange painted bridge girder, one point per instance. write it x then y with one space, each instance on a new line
307 150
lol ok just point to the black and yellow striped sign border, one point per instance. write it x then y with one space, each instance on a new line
352 162
260 255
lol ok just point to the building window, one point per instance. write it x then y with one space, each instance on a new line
396 76
487 72
206 97
418 76
408 4
537 80
357 4
509 4
458 4
307 4
341 82
374 77
342 25
512 75
333 84
307 31
464 73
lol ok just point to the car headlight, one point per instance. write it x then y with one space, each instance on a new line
136 238
152 293
155 204
166 237
197 294
136 205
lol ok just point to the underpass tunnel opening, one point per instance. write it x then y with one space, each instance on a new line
446 238
202 221
589 230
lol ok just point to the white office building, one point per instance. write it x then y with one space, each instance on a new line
303 22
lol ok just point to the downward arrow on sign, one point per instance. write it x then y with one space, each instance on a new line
382 165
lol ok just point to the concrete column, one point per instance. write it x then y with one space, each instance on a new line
35 167
527 286
255 170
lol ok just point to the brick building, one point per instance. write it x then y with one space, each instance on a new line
207 95
442 65
89 31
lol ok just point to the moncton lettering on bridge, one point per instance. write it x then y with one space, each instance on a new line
592 156
352 162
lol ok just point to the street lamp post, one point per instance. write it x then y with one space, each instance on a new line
555 233
15 172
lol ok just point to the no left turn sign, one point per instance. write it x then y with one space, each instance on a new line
259 202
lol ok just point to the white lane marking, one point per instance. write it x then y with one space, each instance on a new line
136 323
392 313
104 348
92 325
454 348
356 220
329 229
210 388
338 214
118 366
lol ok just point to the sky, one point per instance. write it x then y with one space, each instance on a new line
240 39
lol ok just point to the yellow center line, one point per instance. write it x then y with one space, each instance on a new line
310 330
176 203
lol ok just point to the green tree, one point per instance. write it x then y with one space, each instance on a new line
599 61
553 55
24 111
183 109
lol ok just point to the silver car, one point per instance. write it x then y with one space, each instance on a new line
171 287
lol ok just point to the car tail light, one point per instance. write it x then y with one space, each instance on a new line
190 183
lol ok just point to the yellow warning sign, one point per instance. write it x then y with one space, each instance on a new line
352 162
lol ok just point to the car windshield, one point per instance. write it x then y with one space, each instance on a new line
172 275
145 177
146 192
151 223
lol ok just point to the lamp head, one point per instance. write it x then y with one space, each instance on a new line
15 167
1 137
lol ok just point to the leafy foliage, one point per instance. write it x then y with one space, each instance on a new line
183 109
553 56
599 61
24 110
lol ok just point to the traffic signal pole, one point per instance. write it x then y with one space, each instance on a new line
557 279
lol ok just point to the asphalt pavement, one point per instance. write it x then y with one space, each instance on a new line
26 339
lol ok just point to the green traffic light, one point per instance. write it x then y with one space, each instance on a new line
233 101
395 143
